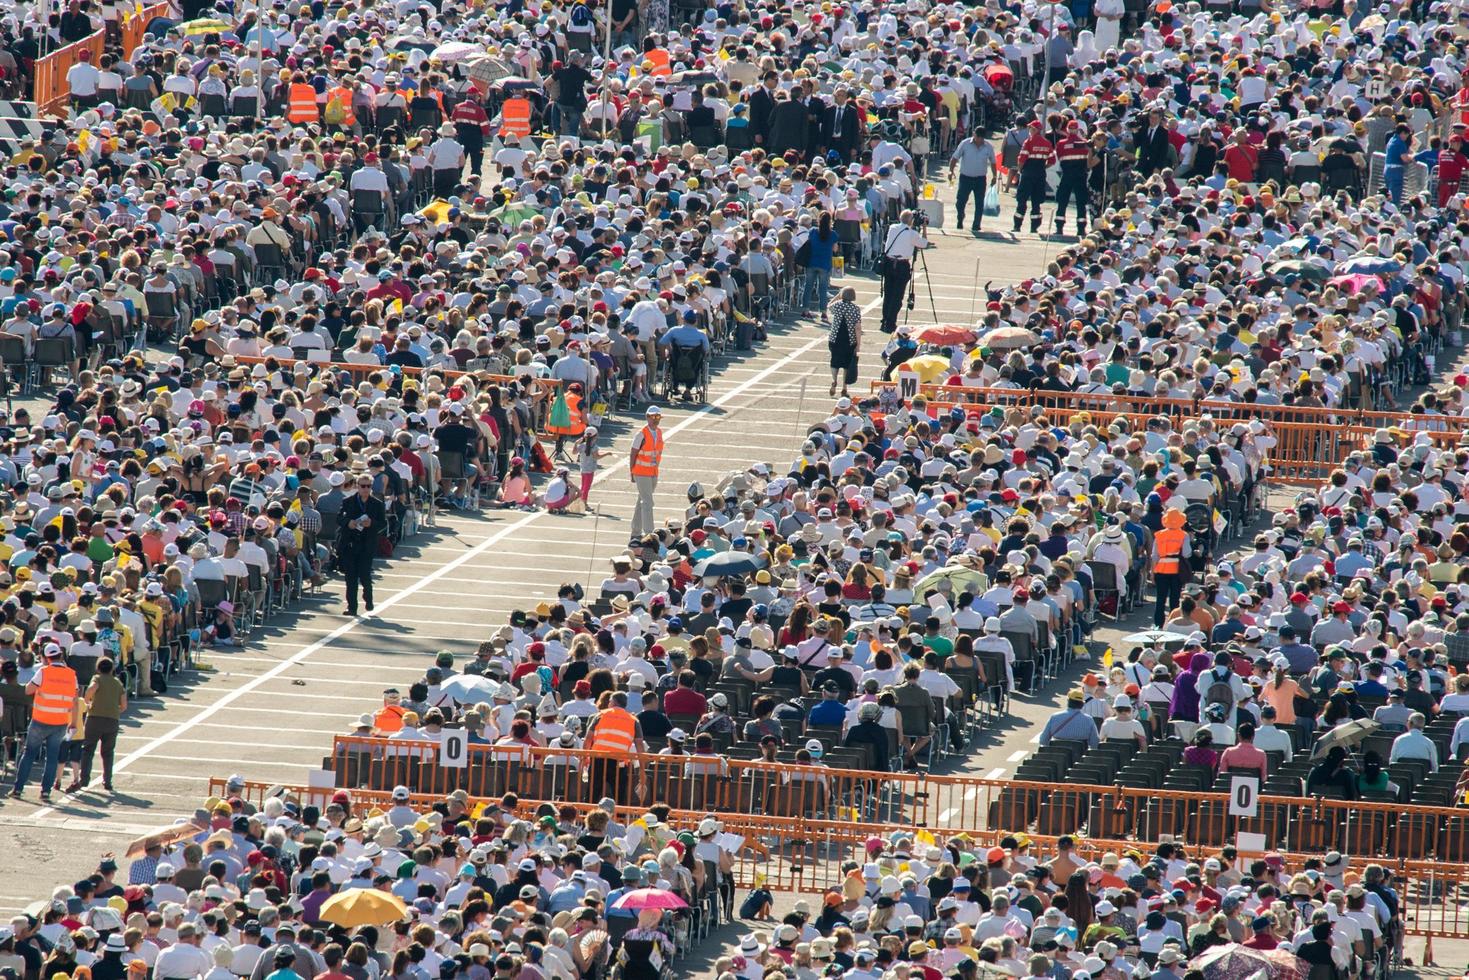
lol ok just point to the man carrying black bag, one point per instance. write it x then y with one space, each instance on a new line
362 522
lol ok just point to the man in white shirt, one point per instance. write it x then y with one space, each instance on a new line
902 240
82 80
184 960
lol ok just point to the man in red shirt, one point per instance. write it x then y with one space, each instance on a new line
1036 155
1241 158
1073 153
683 699
390 287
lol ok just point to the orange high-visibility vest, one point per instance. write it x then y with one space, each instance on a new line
515 118
650 453
303 107
56 696
343 96
389 718
575 424
662 64
1170 549
616 731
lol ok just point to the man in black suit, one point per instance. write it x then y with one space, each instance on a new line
762 104
1154 150
362 522
841 130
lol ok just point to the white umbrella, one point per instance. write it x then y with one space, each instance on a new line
469 689
456 51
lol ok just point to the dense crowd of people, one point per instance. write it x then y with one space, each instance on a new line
402 258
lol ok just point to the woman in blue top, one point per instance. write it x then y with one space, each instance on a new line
821 243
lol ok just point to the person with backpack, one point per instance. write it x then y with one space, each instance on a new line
1220 685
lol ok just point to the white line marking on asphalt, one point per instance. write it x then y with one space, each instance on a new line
1017 756
250 686
995 773
971 793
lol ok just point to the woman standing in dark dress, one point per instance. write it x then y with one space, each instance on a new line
844 340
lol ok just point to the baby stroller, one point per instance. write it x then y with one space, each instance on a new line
999 106
687 368
1199 519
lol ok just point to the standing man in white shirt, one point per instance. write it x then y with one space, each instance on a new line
82 80
898 246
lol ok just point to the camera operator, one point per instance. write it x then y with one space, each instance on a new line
903 239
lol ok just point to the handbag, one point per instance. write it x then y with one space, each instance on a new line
992 202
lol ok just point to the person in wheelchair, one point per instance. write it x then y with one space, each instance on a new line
678 344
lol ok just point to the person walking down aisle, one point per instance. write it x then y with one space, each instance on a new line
364 520
844 340
976 163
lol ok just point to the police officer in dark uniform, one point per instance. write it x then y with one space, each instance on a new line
362 522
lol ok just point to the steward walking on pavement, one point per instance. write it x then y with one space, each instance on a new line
1073 152
472 124
1170 549
363 521
54 689
975 160
1036 155
615 731
644 459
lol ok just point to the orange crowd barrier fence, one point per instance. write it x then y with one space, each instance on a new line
52 93
375 373
952 803
1062 404
807 854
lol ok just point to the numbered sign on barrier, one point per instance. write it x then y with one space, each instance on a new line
1244 796
454 749
907 384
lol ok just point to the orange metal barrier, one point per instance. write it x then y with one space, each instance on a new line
359 373
52 94
951 803
134 26
1062 404
803 854
584 776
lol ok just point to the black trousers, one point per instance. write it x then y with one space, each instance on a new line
975 187
895 276
1073 186
101 732
357 567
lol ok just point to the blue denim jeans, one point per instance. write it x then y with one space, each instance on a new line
40 738
1392 178
818 282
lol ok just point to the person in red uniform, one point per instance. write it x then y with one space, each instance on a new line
472 126
1036 155
1452 163
1073 153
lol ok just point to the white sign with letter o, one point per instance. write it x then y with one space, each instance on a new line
1244 796
454 749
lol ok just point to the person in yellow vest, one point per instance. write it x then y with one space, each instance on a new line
54 690
615 731
644 459
1171 549
389 717
301 105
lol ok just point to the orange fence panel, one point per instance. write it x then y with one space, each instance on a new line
804 854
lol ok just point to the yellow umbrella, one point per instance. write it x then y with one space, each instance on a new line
363 907
927 367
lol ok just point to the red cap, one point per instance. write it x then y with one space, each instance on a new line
1299 598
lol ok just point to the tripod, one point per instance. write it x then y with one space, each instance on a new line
920 265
